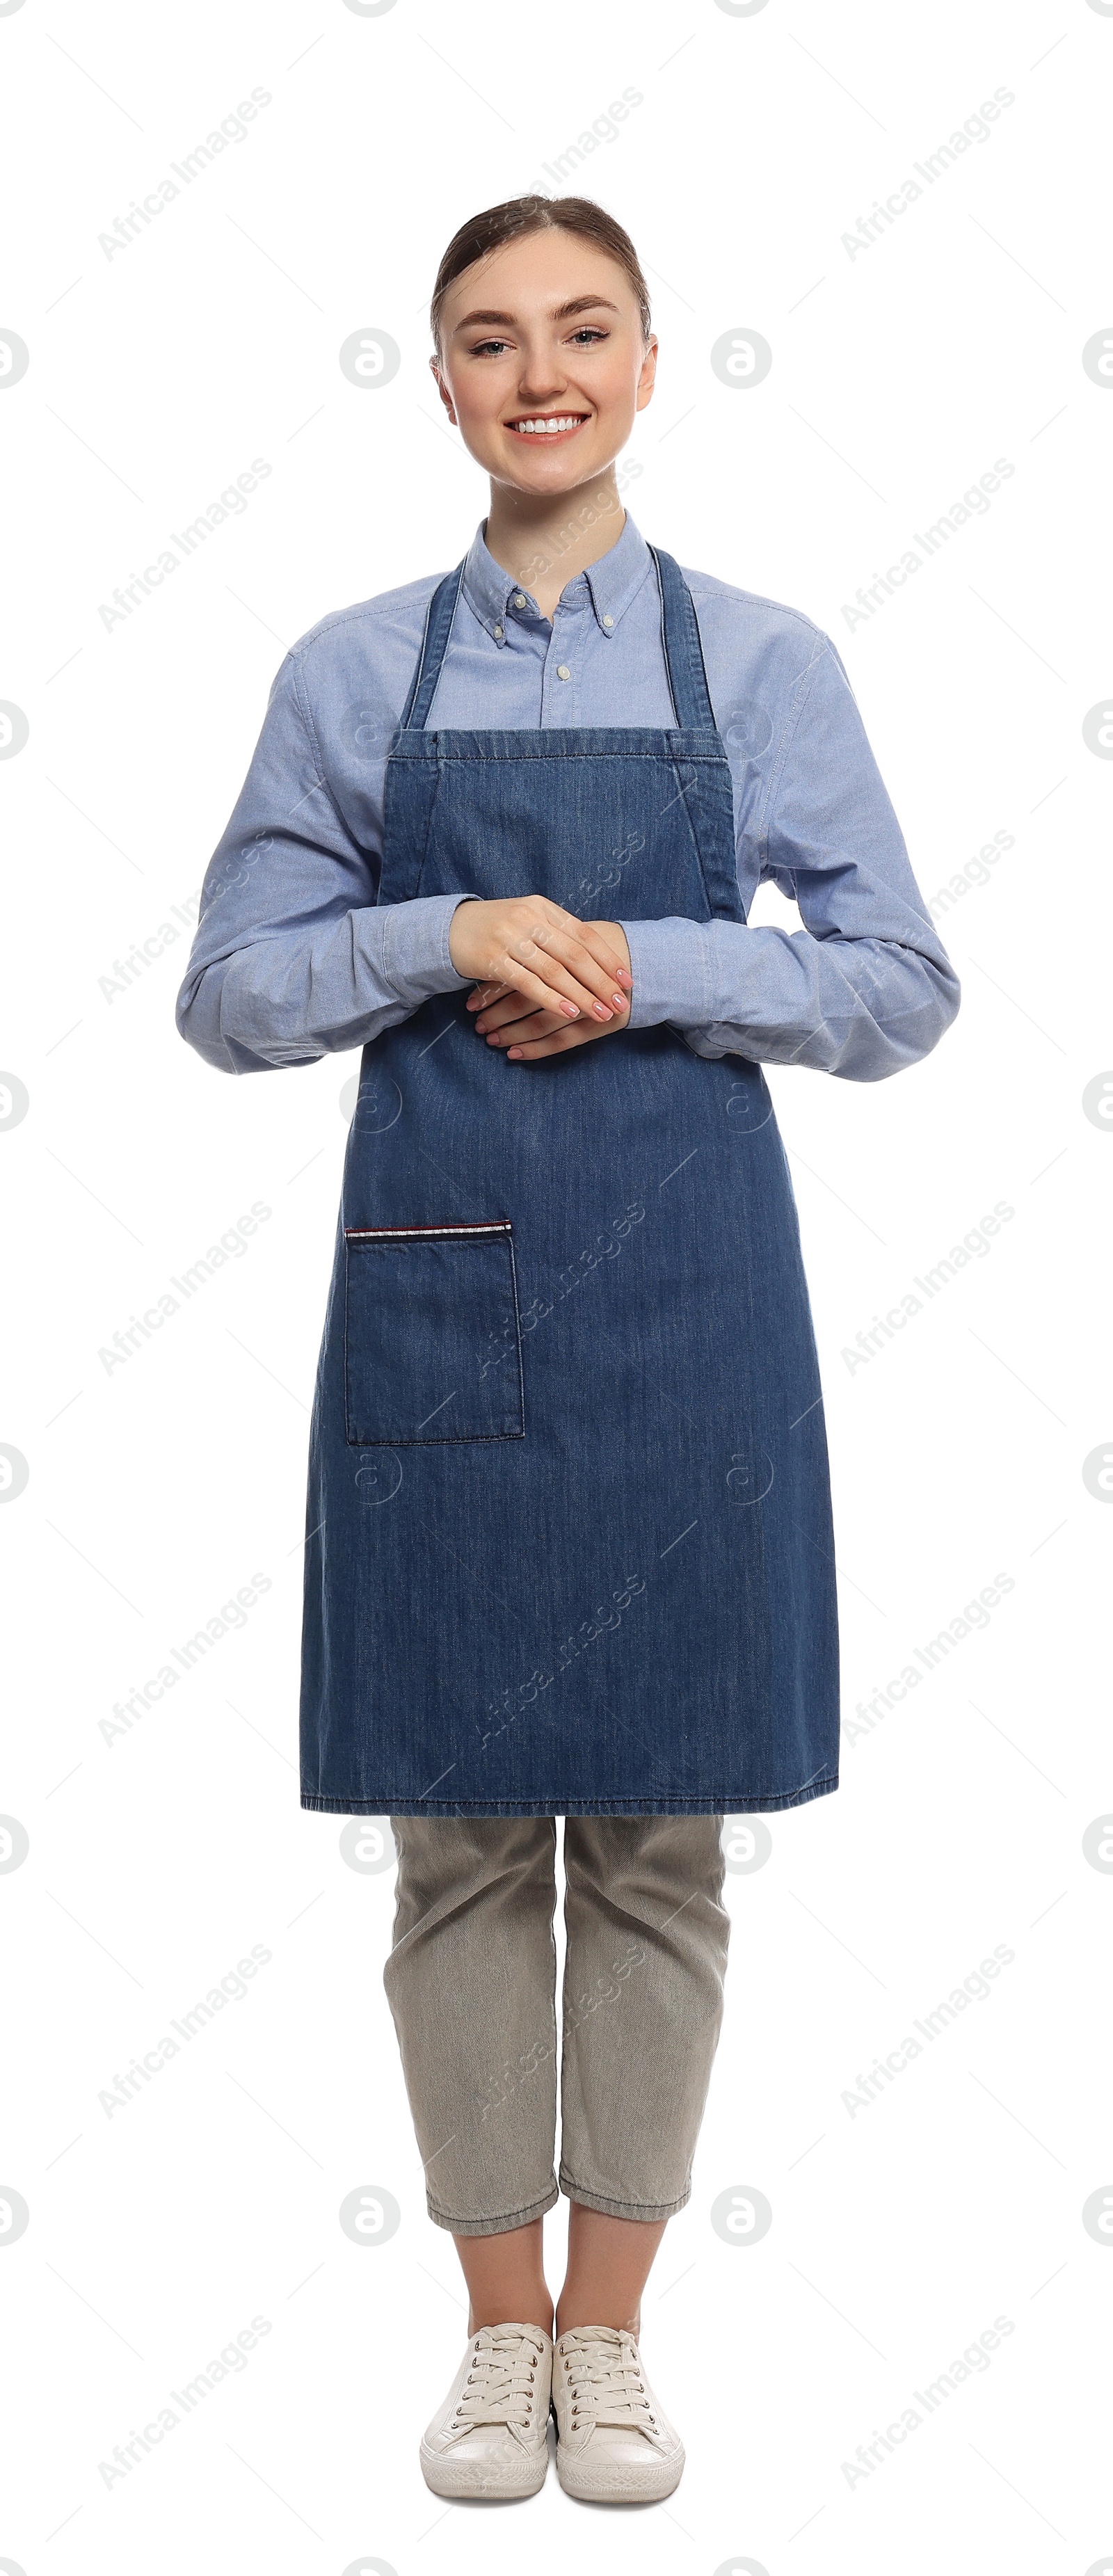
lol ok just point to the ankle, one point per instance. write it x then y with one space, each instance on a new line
572 2312
536 2309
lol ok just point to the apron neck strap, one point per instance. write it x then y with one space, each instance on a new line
680 636
438 627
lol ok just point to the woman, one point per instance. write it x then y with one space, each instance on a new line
569 1536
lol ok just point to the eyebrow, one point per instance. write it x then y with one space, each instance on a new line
560 313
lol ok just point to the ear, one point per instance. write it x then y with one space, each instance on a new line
442 389
648 375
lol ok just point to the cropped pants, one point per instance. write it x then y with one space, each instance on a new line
471 1983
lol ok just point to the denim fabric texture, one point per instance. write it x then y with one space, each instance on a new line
299 952
471 1981
569 1544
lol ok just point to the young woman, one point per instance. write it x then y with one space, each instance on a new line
569 1535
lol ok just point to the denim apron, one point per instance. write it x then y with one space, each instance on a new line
569 1545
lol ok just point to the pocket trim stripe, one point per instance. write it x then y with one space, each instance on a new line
421 1233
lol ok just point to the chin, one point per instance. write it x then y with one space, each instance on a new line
556 473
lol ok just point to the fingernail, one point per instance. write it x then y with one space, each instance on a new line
513 1055
571 1009
619 1000
624 975
601 1011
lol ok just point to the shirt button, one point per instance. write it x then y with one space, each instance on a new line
608 621
519 599
563 672
498 634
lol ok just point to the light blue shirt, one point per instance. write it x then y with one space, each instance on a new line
293 960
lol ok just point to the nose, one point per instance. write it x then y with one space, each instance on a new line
541 380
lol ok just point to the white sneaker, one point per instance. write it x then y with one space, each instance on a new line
614 2443
489 2437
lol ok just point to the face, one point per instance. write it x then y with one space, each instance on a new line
547 330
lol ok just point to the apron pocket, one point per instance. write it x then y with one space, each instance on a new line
431 1335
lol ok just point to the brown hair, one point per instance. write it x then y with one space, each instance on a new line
498 225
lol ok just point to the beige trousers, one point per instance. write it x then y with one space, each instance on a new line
471 1983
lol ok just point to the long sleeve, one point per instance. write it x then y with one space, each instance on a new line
866 987
292 957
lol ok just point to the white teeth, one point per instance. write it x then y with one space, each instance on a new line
545 428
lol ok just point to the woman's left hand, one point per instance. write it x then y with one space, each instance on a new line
526 1037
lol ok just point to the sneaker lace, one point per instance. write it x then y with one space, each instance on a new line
499 2388
603 2377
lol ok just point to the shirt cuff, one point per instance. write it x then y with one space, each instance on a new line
416 959
671 964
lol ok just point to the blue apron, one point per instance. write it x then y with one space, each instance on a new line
569 1545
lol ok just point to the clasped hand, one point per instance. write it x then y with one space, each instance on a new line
545 981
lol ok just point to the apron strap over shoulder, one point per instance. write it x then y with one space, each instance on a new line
680 636
683 650
438 627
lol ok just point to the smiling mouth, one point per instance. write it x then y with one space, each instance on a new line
558 424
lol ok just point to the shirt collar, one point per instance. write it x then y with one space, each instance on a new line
608 586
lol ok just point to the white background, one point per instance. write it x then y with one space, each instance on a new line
157 1859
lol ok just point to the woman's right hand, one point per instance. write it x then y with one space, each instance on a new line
525 944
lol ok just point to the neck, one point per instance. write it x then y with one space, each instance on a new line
544 541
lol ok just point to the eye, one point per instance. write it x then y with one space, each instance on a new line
483 347
588 333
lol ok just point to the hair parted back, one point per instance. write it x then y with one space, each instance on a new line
498 225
